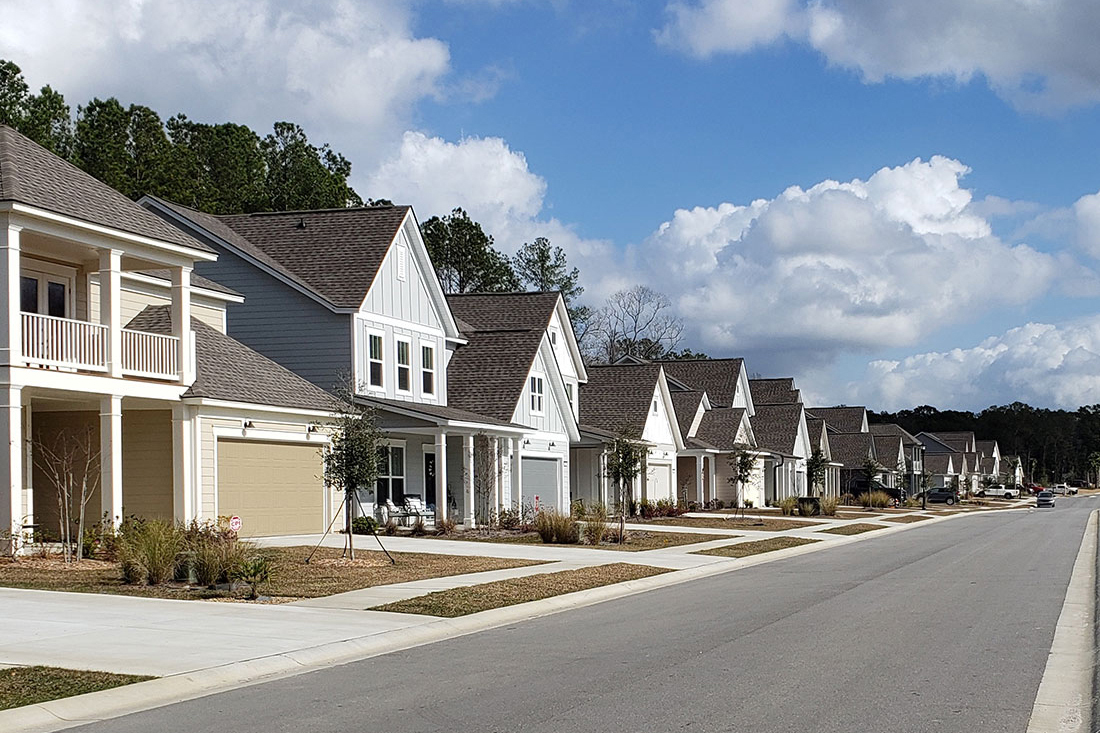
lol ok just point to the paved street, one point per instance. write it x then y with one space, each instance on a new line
942 629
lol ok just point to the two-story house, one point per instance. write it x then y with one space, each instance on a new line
111 342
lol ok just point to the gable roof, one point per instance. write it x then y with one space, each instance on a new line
228 370
966 436
939 463
933 444
32 175
686 403
852 449
504 311
986 447
892 429
717 377
774 391
332 253
841 419
888 450
776 427
617 397
819 435
720 425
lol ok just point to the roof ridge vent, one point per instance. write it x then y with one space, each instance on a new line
301 223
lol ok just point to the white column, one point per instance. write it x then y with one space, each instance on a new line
184 478
517 476
181 322
110 306
28 461
11 436
712 476
494 446
699 493
604 481
11 327
110 456
441 475
468 480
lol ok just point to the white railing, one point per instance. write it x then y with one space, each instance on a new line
64 342
149 355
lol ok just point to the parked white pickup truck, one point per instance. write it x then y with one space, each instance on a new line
999 491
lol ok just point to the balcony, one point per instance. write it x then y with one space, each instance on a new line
66 344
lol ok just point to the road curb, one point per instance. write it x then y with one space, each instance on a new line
92 707
1063 703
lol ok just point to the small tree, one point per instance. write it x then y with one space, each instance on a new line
816 466
488 472
624 463
351 460
70 462
742 463
1094 465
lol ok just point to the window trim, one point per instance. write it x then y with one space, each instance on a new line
538 398
398 341
381 335
389 476
433 371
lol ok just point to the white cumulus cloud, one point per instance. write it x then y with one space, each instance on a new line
1038 54
1039 363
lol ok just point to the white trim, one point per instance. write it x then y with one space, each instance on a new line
239 407
167 284
425 344
369 318
397 365
266 435
367 356
539 379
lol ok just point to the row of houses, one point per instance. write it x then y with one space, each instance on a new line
199 355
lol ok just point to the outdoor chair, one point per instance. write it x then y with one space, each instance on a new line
416 508
398 513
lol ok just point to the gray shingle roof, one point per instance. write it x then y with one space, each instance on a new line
985 447
719 427
686 405
333 253
852 449
776 427
617 397
504 330
774 391
888 447
436 411
892 429
229 370
937 463
841 419
717 377
818 437
32 175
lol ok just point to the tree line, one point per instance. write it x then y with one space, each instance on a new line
1053 445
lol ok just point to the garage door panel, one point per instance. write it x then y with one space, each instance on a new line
539 478
659 481
275 488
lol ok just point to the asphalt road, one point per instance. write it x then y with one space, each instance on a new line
943 628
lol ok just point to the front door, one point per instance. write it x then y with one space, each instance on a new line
429 479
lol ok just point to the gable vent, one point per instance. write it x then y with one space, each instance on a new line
402 264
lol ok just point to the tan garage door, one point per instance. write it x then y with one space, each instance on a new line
275 488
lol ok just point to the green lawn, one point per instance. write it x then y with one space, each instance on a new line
21 686
757 547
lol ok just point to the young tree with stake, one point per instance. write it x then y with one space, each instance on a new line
351 460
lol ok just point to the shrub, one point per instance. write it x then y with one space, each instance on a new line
149 551
576 509
390 528
253 571
647 509
912 502
719 504
828 505
445 526
787 505
364 525
847 500
509 518
693 506
806 509
595 526
213 551
544 525
555 527
748 503
418 528
875 500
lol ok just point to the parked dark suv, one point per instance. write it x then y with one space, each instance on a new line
947 496
859 486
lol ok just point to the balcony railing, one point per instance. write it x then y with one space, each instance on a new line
67 344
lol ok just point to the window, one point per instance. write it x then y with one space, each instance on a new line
374 360
553 337
391 475
46 292
404 366
537 394
427 369
654 407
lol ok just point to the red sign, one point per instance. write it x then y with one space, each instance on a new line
235 524
536 502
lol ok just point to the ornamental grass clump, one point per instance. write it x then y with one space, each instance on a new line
595 524
828 506
149 551
554 527
788 505
875 500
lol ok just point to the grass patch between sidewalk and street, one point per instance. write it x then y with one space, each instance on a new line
456 602
757 547
21 686
907 519
850 529
290 579
636 540
759 524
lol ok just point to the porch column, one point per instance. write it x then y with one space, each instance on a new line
11 327
181 322
441 475
11 462
517 476
184 478
603 479
494 445
110 457
699 495
110 307
712 476
468 480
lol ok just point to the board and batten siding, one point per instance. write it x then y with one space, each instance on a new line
399 291
552 419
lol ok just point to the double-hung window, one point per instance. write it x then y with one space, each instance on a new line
427 369
538 394
404 366
374 360
391 474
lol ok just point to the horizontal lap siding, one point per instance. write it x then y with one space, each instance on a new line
147 463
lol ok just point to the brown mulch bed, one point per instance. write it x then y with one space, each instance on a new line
472 599
291 577
636 540
855 515
907 519
745 549
850 529
760 524
21 686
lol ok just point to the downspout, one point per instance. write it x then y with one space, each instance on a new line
775 474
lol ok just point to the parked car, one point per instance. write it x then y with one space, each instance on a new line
859 486
1044 498
947 496
1000 491
1078 484
1064 489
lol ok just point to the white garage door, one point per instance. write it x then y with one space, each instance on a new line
660 481
275 488
539 478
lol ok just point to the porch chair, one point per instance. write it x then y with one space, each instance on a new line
417 509
398 513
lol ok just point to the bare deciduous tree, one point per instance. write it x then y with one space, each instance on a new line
70 462
638 322
488 475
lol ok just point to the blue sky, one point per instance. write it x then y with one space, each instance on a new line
944 158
